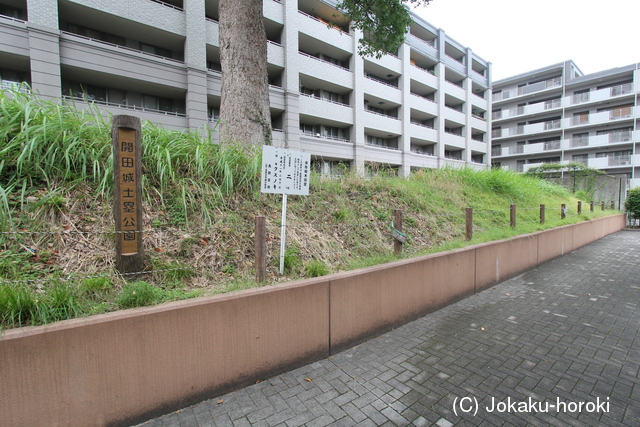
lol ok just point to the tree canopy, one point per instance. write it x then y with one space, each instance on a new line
384 23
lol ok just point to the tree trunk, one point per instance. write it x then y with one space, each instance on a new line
244 107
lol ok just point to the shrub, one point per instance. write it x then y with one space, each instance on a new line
632 204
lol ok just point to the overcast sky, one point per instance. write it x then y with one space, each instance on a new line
517 36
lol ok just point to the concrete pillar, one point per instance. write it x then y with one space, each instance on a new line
195 57
44 48
404 142
357 102
291 76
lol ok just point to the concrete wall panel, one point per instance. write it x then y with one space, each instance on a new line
120 366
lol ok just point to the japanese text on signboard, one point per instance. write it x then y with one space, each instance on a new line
285 171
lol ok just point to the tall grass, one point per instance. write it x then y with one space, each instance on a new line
49 142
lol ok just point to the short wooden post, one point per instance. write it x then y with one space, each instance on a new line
579 207
613 205
127 187
542 212
397 224
261 248
563 211
591 206
602 205
469 230
513 216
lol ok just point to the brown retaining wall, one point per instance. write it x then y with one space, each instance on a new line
125 367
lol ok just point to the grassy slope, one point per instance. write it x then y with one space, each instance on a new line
200 204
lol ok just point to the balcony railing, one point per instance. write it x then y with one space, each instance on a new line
382 114
479 117
496 115
580 97
381 82
553 124
422 124
495 152
554 103
620 136
620 113
622 89
168 5
323 60
551 145
580 141
453 133
122 47
423 97
496 133
370 144
328 24
460 61
325 136
324 99
129 107
619 160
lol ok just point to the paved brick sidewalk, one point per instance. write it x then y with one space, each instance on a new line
560 334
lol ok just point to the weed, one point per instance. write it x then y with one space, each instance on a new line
17 305
316 268
138 294
291 256
60 302
95 287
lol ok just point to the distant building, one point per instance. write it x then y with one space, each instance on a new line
557 114
424 106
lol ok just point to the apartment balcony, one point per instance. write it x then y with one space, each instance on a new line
169 120
479 101
547 85
273 10
151 13
275 54
385 155
601 117
454 115
478 146
324 70
320 30
423 76
118 61
421 160
453 140
327 147
15 36
330 110
389 62
539 107
515 150
610 162
551 125
423 104
526 167
382 90
424 47
454 163
479 123
455 64
278 137
600 95
455 90
422 132
382 122
213 32
587 141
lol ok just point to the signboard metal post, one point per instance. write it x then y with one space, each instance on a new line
284 172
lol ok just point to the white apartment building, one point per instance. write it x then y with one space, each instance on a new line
557 114
424 106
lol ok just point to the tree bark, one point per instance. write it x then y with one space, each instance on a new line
244 107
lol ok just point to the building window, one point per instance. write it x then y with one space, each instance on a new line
155 50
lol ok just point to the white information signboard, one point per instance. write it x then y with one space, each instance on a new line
285 171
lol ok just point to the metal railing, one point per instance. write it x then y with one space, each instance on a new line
122 47
381 114
324 60
325 136
381 82
127 106
172 6
423 97
324 99
327 24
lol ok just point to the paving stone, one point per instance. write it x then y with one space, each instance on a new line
566 331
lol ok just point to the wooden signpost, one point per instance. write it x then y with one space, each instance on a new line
127 184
